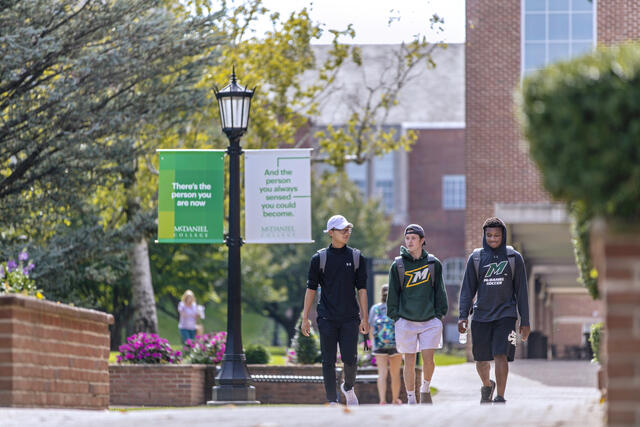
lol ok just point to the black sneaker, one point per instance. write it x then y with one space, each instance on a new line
499 399
486 392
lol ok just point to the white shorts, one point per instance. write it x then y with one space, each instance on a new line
412 337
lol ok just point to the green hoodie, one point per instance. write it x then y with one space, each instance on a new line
422 294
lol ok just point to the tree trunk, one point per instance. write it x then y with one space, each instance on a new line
145 318
275 341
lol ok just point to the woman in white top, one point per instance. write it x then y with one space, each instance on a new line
189 313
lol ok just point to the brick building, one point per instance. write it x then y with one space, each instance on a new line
505 41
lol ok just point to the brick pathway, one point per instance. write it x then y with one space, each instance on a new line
539 393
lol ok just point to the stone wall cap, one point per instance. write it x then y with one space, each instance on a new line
183 366
33 303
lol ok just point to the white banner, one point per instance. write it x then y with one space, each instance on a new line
277 196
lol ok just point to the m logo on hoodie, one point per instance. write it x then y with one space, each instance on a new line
496 269
418 276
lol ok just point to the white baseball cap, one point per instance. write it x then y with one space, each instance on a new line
338 222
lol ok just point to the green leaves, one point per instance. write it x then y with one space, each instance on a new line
580 118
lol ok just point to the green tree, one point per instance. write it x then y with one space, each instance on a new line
89 91
80 82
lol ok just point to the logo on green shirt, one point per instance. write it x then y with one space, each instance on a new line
418 276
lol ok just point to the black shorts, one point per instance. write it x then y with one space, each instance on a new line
491 339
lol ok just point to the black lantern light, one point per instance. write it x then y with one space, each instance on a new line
235 104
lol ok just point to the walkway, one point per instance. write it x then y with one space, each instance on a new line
539 393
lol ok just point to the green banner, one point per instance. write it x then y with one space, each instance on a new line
191 196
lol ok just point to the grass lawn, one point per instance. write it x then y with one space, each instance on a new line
443 359
278 355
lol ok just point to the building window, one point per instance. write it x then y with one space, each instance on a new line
453 271
554 30
383 173
453 192
358 175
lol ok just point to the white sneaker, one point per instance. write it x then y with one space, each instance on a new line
411 400
350 396
333 404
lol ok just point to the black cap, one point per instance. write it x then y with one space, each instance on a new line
414 229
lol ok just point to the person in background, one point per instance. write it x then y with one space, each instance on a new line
189 313
388 360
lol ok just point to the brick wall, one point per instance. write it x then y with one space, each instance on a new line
497 163
159 385
618 21
314 393
616 254
52 355
190 385
437 152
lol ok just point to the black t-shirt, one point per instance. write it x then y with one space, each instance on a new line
339 283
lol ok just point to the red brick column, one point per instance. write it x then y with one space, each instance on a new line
497 164
616 254
53 355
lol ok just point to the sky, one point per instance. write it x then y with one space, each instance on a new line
370 18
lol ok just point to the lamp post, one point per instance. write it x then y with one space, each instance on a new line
234 382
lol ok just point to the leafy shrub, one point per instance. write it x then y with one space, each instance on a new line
595 339
14 277
307 349
581 237
581 120
147 348
207 349
257 354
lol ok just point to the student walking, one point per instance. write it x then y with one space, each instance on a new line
388 360
341 273
417 301
496 276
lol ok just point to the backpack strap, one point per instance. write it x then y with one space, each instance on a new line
323 259
400 270
356 258
511 256
476 261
